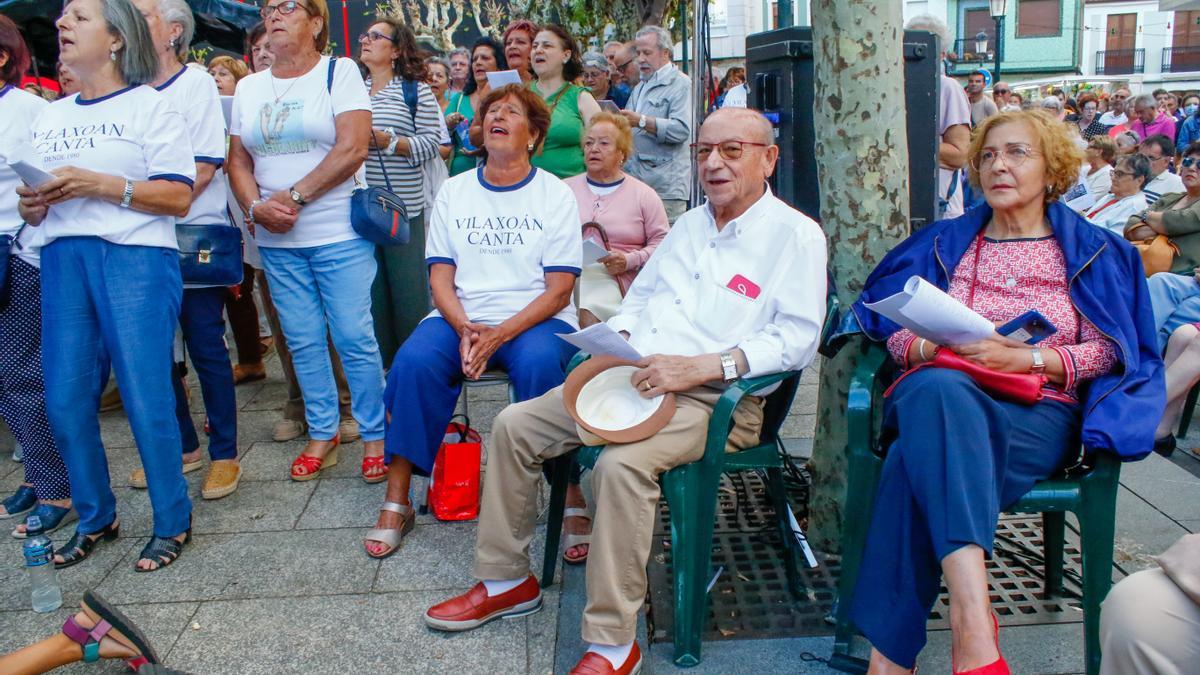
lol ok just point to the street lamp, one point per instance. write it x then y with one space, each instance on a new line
997 8
981 40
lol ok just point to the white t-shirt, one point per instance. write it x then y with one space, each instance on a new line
18 110
503 241
134 133
954 109
194 94
1111 120
287 127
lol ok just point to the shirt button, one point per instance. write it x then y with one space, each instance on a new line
696 277
678 301
653 330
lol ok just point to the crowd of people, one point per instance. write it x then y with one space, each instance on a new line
500 187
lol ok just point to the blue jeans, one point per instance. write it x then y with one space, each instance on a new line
99 297
1175 299
425 381
323 288
204 334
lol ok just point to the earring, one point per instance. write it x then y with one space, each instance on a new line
112 55
174 43
529 147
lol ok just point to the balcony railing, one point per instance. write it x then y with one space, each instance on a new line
1120 61
1180 59
964 53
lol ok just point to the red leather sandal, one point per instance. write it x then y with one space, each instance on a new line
374 470
310 467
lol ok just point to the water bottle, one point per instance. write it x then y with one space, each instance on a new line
39 560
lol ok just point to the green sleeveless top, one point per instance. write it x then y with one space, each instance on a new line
562 153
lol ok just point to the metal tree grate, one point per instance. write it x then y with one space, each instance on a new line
751 599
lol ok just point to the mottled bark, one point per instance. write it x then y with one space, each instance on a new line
862 164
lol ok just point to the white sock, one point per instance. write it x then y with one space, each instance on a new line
495 588
616 655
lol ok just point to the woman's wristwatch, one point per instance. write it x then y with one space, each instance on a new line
391 146
1039 364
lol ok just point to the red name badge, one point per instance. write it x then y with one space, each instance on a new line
743 286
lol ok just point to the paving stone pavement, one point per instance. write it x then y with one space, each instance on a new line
276 581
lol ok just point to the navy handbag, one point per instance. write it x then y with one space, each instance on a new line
376 213
209 255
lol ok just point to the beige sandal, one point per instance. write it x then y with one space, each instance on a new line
392 538
570 541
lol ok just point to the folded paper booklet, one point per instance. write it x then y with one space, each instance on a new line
932 314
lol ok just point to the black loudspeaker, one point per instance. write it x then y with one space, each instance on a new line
779 67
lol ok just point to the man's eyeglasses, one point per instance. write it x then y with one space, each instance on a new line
284 8
729 150
1122 174
1014 156
1001 91
622 66
374 36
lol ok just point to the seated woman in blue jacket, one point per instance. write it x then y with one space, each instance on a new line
959 455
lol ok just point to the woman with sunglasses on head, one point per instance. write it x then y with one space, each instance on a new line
124 169
299 135
403 138
958 455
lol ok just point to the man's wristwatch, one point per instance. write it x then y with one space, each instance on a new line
297 197
728 367
1039 364
642 122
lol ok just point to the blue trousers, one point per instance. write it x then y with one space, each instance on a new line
201 319
1175 299
22 385
957 459
124 301
326 290
425 381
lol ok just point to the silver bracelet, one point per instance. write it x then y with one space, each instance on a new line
250 211
921 349
127 196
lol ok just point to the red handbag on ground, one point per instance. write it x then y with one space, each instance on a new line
454 484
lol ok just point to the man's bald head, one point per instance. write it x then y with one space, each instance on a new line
758 128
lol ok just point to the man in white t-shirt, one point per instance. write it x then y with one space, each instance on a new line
737 289
954 126
1116 115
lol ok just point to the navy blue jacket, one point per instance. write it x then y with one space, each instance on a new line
1107 286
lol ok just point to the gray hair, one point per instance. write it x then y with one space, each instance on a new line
1142 100
439 61
137 62
614 43
458 51
934 25
595 60
1127 138
665 42
178 12
1051 103
1138 165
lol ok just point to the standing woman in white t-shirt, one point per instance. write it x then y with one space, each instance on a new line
504 250
110 269
298 135
46 490
201 317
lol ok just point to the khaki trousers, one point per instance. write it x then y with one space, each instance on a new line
625 485
1149 626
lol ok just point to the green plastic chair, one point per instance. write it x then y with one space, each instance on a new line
692 490
1090 495
1189 407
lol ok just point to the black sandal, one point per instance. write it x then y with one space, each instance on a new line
79 547
159 548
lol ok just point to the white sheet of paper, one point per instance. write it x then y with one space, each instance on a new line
227 108
592 252
499 78
29 173
932 314
599 340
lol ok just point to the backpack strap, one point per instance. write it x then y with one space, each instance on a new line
410 98
329 79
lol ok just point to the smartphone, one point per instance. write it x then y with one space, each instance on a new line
1030 328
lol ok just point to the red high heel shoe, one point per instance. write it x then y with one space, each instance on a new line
997 667
312 466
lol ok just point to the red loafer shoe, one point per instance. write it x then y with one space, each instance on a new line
594 664
474 608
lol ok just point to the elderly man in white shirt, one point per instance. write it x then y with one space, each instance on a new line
737 289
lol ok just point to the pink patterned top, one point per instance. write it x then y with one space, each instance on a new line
1017 275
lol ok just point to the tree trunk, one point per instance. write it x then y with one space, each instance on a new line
862 165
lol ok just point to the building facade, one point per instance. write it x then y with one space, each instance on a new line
1155 44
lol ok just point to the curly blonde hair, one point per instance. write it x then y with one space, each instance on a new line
1059 151
624 133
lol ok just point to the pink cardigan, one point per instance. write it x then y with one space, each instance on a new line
633 217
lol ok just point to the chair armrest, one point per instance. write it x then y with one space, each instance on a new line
579 358
721 420
860 400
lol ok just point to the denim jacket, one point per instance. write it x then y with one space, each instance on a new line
662 159
1107 284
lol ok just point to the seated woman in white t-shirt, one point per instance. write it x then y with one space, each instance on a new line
298 135
124 172
504 249
1126 198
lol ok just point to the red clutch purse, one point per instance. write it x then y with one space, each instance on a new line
1016 387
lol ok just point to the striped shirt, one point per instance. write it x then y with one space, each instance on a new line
389 111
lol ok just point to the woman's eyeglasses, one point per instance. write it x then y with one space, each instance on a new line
1014 156
729 150
374 36
1122 174
284 8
